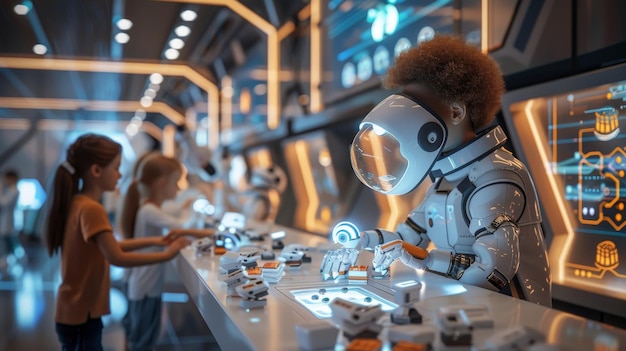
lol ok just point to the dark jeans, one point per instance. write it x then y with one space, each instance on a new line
143 323
83 337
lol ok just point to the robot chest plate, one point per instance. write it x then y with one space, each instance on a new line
445 222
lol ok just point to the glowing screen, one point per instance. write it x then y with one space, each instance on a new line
366 36
575 145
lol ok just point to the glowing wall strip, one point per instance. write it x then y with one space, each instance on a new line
565 248
153 130
90 105
128 68
316 56
484 26
168 144
273 52
260 157
226 105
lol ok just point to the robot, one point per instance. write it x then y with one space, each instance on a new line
481 212
262 199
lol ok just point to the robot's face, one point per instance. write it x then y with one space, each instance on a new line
397 144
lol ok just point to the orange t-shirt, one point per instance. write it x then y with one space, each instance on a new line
84 289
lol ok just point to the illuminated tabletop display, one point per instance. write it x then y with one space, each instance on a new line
296 309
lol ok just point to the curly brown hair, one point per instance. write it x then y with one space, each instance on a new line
456 72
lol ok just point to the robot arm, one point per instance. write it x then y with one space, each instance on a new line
386 254
494 260
497 255
409 231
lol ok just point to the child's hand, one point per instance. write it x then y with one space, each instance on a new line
178 244
171 236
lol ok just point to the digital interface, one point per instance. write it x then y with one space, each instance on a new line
584 156
317 301
366 36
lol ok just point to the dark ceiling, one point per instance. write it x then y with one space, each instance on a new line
84 30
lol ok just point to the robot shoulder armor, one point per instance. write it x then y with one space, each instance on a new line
500 159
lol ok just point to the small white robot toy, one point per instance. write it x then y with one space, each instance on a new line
356 321
406 294
202 246
233 280
252 294
481 212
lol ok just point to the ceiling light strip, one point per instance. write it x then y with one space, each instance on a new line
316 57
123 67
273 52
90 105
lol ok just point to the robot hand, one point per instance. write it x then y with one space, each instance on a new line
336 263
386 254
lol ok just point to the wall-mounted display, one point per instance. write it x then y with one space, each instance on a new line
364 37
571 134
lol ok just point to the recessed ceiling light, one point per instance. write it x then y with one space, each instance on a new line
171 54
40 49
132 129
124 24
156 78
23 8
145 101
155 87
140 113
188 15
122 38
182 31
177 43
150 93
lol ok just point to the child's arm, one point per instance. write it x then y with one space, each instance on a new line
114 253
140 243
197 233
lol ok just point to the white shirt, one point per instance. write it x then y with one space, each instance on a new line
8 202
147 281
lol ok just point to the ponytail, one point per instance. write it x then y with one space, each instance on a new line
130 206
87 150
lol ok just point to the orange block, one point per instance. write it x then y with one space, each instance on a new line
364 345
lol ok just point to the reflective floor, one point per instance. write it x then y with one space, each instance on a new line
27 295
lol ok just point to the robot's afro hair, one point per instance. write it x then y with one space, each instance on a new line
456 72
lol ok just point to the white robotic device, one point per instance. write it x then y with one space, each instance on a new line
230 262
406 294
233 280
202 246
252 294
356 321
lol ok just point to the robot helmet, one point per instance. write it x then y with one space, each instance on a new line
272 177
397 145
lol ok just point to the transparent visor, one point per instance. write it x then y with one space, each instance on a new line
376 158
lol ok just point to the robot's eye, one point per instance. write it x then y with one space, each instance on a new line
430 136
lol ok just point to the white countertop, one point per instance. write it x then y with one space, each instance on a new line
272 328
